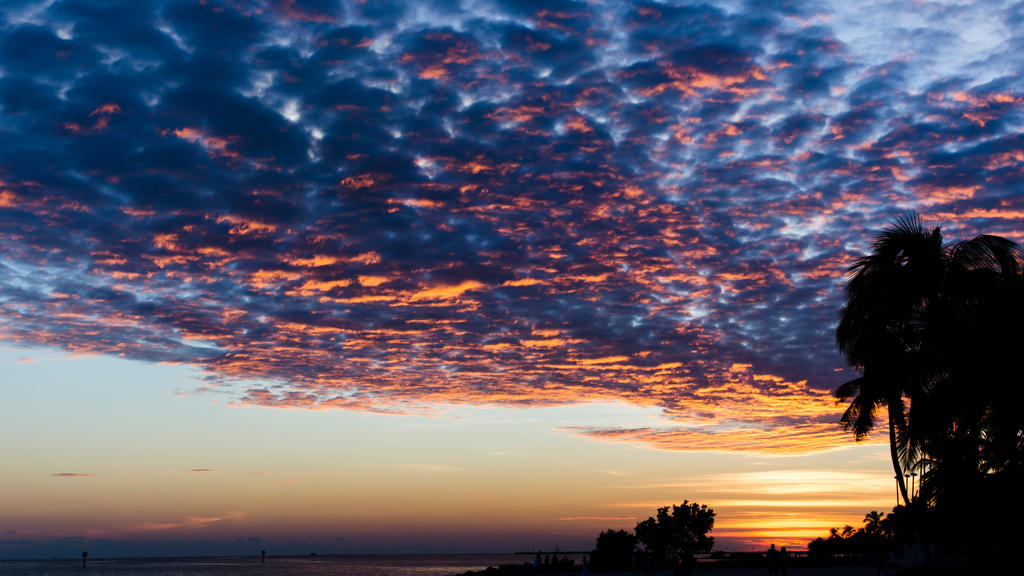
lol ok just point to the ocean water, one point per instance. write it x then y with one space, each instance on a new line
348 565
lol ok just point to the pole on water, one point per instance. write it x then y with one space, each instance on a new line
84 556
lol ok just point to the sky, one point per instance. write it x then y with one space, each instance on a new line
332 276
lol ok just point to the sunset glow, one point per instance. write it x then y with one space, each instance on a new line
478 276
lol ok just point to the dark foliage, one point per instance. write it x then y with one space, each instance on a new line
880 533
936 332
668 540
613 551
676 534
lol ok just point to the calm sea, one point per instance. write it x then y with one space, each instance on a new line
369 565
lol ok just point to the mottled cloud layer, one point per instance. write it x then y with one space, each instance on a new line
386 206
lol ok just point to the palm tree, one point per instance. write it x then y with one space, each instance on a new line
873 523
982 338
881 331
968 422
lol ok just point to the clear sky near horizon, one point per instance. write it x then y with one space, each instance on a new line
463 276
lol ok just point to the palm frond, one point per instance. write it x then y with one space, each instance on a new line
986 252
907 224
849 389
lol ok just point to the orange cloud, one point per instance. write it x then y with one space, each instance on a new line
445 292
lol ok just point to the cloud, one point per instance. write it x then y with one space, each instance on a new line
380 209
431 468
595 518
72 475
188 522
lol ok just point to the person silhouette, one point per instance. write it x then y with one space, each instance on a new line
783 561
772 556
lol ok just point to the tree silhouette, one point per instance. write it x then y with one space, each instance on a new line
677 535
874 537
967 421
881 331
873 523
613 551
